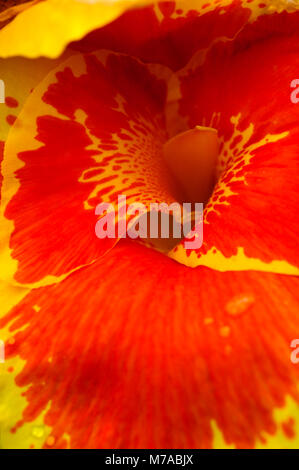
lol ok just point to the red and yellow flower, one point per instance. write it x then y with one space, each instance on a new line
112 344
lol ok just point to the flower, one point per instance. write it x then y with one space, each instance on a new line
117 345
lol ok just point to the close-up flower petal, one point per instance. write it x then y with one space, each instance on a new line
191 375
92 130
116 115
56 23
243 90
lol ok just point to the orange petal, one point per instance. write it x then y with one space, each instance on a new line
243 90
193 348
92 130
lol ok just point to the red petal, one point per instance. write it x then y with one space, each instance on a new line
93 130
243 89
137 351
169 32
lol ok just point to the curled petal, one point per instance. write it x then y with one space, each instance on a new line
243 89
175 24
50 25
91 131
171 32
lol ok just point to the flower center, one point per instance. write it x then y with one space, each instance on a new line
191 157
